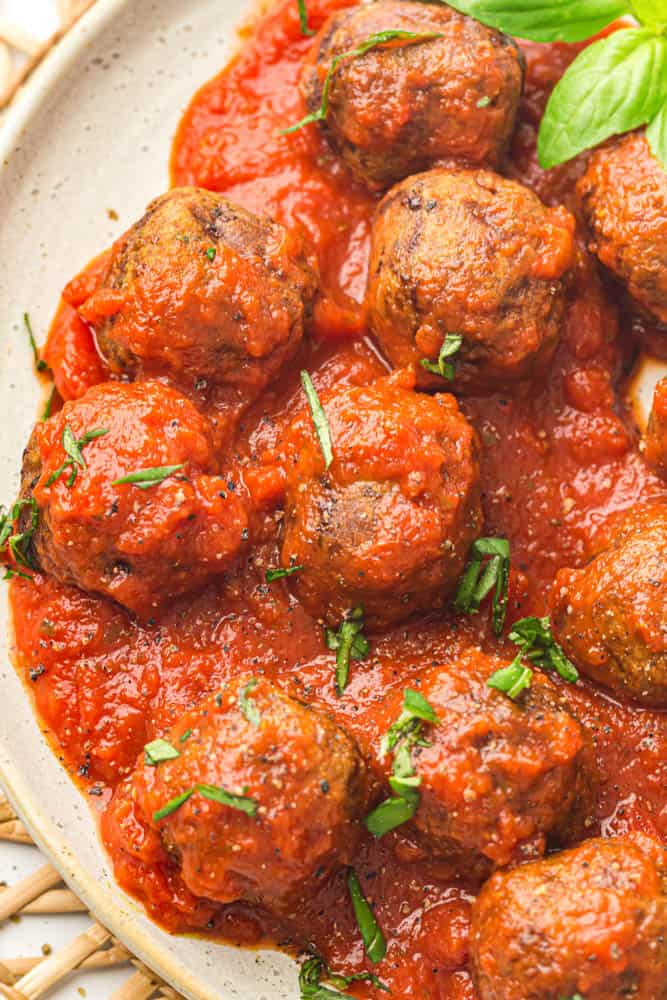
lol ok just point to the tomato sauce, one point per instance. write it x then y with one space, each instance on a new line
557 460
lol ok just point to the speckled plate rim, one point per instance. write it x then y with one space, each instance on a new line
222 972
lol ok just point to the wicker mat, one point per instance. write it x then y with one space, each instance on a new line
43 892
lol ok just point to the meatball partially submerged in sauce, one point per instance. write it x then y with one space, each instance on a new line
611 616
278 794
469 254
591 922
498 778
401 107
203 292
388 526
623 197
656 436
140 543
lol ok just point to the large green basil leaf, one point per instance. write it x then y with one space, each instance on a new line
656 134
547 20
613 86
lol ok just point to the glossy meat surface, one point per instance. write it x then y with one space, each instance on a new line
401 108
469 253
388 526
656 437
611 615
590 922
139 546
180 296
623 196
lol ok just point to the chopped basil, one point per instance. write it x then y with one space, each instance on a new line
211 253
248 706
314 969
240 802
371 932
186 736
145 478
372 42
173 805
403 736
73 449
303 18
279 574
512 680
480 578
348 642
484 102
48 406
451 345
319 418
40 365
534 638
18 542
158 751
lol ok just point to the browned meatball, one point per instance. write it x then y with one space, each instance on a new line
656 437
468 253
388 526
611 616
140 546
499 778
591 922
299 788
623 197
401 108
203 292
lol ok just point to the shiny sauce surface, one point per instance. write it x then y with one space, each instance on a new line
557 460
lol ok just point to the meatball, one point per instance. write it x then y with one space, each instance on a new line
388 526
140 544
498 777
203 292
402 107
299 786
656 437
468 253
591 922
623 198
611 616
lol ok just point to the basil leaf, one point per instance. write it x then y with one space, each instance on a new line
248 706
371 932
173 805
388 815
279 574
225 798
303 18
613 86
512 680
158 751
319 418
653 12
656 134
545 20
40 366
145 478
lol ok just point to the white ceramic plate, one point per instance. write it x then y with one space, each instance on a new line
92 132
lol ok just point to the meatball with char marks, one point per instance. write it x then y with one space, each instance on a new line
656 436
591 922
499 779
299 788
611 615
402 107
204 293
141 546
388 526
470 254
623 198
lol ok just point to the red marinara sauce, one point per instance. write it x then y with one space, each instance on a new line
556 462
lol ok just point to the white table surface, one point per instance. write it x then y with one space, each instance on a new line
29 934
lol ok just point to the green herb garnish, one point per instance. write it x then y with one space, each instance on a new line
614 86
225 798
372 42
48 406
145 478
403 736
371 932
451 345
158 751
303 18
73 449
249 707
186 736
512 680
279 574
211 253
18 541
535 639
314 969
173 805
40 365
480 578
349 643
320 421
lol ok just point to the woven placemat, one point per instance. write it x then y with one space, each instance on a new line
43 892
